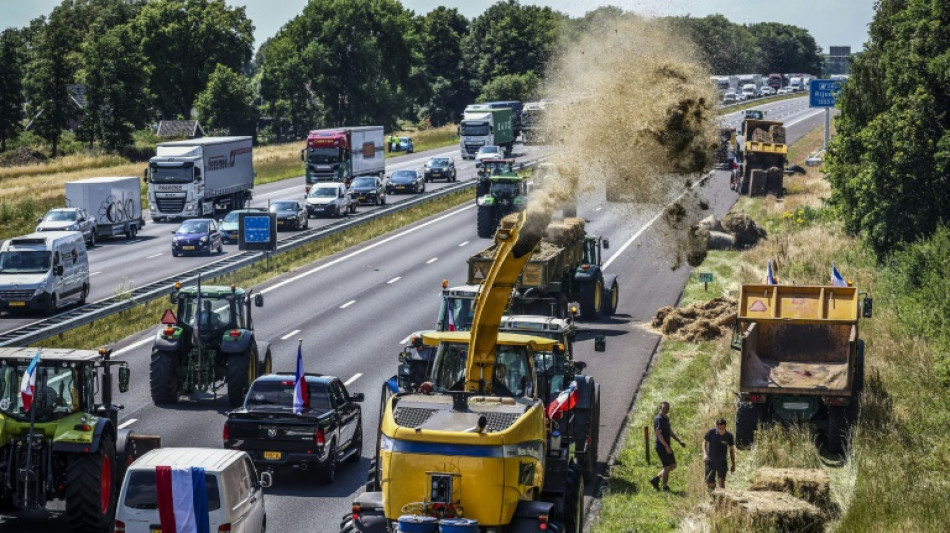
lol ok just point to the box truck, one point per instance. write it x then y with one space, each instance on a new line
483 126
114 203
341 154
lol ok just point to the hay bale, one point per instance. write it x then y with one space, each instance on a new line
720 241
810 484
710 224
774 181
761 135
777 134
746 231
768 510
758 182
661 315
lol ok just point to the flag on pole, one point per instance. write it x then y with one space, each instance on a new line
836 278
28 383
769 275
182 499
565 401
451 318
301 395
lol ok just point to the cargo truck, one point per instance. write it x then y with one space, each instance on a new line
764 154
341 154
115 203
188 179
801 359
482 125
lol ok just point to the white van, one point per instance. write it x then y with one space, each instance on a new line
329 198
235 493
43 271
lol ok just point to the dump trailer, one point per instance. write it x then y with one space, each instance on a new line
801 359
764 154
474 448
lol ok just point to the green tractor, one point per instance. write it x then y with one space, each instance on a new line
203 349
501 192
67 445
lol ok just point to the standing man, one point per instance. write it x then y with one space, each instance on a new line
663 433
715 444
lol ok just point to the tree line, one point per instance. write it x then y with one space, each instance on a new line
107 68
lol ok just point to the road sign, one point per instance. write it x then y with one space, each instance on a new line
257 232
822 93
705 277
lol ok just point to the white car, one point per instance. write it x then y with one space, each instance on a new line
329 198
729 98
488 152
766 91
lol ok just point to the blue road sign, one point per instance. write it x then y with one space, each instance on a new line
822 93
257 228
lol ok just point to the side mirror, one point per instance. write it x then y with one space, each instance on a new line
173 297
358 397
39 220
58 270
867 307
145 175
600 343
302 156
579 366
124 375
266 479
259 300
606 244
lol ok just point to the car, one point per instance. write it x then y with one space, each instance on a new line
406 181
488 152
766 91
440 168
368 189
228 226
69 219
197 235
329 198
404 144
290 215
729 98
740 96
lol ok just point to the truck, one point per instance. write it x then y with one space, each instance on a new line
193 178
531 123
477 446
764 155
341 154
115 203
326 432
483 125
66 443
802 359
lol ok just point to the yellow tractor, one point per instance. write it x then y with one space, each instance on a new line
475 448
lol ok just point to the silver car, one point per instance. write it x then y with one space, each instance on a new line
70 219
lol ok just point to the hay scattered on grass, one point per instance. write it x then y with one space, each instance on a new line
701 321
810 484
767 510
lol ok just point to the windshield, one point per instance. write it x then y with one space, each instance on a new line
61 216
24 262
404 175
512 375
323 192
479 130
215 314
364 182
488 150
193 226
140 492
281 394
232 217
461 316
505 190
167 175
283 206
441 162
323 155
56 391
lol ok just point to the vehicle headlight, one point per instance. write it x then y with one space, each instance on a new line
191 207
175 240
73 227
203 240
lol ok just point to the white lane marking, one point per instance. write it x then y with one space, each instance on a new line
433 260
91 274
598 209
128 423
352 379
463 243
394 280
366 249
289 335
347 304
133 346
154 256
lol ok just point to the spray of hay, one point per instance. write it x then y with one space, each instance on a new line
631 115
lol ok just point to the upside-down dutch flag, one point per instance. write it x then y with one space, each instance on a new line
182 499
28 383
565 401
301 395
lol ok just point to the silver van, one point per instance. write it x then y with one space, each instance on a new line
235 492
43 271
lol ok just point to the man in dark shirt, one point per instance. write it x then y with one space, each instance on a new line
715 444
664 433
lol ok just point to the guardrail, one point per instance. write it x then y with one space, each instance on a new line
80 316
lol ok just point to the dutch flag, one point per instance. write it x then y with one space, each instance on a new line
28 383
182 499
565 401
301 395
769 275
836 278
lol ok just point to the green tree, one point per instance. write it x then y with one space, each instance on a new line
727 48
51 67
185 40
228 102
522 87
448 88
786 48
11 86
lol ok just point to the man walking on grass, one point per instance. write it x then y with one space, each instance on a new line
715 444
663 433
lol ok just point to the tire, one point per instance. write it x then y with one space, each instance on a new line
356 444
51 306
592 297
611 298
92 238
328 472
747 421
376 200
221 247
266 365
238 378
484 220
84 295
838 431
90 488
306 222
574 500
163 378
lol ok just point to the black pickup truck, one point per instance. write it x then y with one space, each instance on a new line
323 435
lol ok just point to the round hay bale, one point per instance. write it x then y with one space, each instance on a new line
710 224
720 241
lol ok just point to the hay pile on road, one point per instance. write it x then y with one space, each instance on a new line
767 511
810 484
745 230
701 321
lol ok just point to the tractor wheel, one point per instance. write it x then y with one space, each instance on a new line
574 500
238 378
91 488
163 377
747 421
356 444
485 218
838 431
611 298
265 366
592 298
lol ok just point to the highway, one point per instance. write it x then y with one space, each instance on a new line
353 309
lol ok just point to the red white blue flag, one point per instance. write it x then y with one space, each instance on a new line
301 395
837 279
769 275
182 499
564 401
451 318
28 383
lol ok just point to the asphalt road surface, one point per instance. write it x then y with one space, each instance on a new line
353 310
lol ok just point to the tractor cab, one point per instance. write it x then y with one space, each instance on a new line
216 311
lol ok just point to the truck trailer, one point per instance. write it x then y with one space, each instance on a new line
188 179
114 202
341 154
484 126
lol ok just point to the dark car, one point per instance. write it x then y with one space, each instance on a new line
197 235
228 226
290 215
406 181
368 190
328 430
440 168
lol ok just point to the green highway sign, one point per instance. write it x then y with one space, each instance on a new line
705 277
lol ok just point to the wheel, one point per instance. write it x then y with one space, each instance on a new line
383 201
51 306
357 444
84 294
306 222
574 500
221 247
163 377
454 177
328 473
857 387
90 488
838 431
747 421
611 298
266 366
92 238
353 208
592 297
484 221
239 369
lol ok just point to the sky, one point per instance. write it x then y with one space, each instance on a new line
831 22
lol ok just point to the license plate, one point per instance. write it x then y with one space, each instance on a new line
17 304
187 247
361 197
795 406
155 530
272 455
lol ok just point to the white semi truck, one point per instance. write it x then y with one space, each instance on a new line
192 178
483 125
115 203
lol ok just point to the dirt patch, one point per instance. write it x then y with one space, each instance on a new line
701 321
767 511
746 231
810 484
22 156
